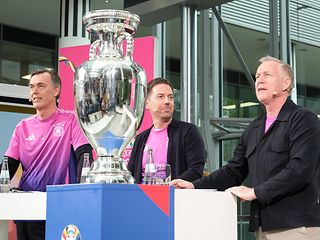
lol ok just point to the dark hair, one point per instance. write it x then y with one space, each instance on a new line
157 81
55 79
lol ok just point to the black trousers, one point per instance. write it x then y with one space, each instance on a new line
31 230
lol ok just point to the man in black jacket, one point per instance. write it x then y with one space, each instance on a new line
174 142
280 153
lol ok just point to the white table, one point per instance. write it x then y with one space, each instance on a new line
205 214
199 214
21 206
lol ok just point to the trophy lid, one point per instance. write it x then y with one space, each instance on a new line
110 18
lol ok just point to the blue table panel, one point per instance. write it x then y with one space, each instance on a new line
110 211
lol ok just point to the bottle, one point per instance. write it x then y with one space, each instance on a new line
85 168
150 170
4 176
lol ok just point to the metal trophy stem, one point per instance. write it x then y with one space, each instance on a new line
110 91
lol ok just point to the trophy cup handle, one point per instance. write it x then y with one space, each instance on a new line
93 49
129 38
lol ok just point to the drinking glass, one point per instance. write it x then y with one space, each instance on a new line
163 174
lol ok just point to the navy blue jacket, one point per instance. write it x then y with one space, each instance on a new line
186 152
283 168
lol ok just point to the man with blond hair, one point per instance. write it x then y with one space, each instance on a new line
280 153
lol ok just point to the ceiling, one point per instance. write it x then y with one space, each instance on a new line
38 15
42 15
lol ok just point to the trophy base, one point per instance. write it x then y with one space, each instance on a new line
109 169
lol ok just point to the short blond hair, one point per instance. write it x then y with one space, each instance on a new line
284 66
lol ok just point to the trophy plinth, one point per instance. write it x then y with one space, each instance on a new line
110 91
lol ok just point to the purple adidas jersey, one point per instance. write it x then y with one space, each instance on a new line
44 148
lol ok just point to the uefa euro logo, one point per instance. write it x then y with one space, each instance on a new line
71 232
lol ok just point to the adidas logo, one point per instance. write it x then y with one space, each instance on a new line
31 138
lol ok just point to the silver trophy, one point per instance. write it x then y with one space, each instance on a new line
110 92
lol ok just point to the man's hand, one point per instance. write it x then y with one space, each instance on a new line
243 192
182 184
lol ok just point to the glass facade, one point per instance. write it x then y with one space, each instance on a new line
307 76
22 52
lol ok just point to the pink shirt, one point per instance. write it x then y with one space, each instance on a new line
44 148
158 141
269 121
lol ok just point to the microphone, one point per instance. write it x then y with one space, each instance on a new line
274 94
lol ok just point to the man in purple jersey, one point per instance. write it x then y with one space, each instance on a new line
45 144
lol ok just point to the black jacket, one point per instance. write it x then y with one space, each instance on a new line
186 152
283 168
